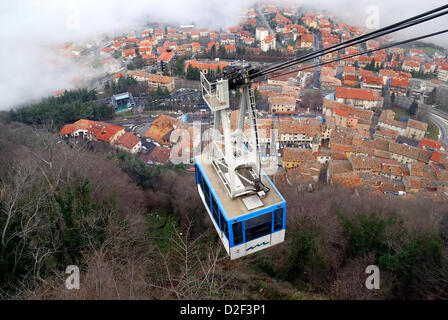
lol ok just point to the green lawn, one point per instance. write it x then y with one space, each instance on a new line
123 113
429 50
399 113
433 131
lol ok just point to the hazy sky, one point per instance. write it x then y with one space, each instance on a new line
30 29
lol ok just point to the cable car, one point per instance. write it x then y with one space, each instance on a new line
246 209
245 224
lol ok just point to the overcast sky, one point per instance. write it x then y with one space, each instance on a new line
30 29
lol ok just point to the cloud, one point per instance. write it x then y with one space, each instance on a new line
32 28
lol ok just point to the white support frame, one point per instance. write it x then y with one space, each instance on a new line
230 151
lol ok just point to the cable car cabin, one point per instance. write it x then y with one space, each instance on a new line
246 224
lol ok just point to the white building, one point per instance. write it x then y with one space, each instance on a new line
261 34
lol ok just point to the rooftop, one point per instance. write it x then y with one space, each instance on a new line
236 208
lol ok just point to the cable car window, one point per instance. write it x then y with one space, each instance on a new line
258 227
278 219
207 194
258 220
237 233
215 212
224 226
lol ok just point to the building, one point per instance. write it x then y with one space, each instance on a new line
416 130
442 73
123 101
360 98
411 66
105 132
161 128
307 40
261 33
399 86
80 127
300 132
282 105
387 121
205 67
165 61
156 81
268 43
372 83
294 157
129 143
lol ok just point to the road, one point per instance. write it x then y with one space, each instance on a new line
443 128
263 18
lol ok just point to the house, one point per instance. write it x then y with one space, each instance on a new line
360 98
372 83
329 82
205 67
411 66
156 81
195 47
268 43
106 50
165 61
387 121
347 116
299 132
416 130
294 157
194 35
158 155
282 105
430 144
399 86
138 75
307 40
161 129
129 143
442 73
230 48
105 132
129 53
350 80
80 127
261 33
408 154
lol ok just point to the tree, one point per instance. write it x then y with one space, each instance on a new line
213 52
413 108
392 98
180 66
192 73
222 53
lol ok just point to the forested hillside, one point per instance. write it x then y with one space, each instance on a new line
139 232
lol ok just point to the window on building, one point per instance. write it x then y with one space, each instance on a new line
258 227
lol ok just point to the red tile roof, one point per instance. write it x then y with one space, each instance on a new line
128 140
159 154
166 56
400 82
435 145
354 93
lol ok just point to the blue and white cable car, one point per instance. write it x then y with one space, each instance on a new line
243 229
